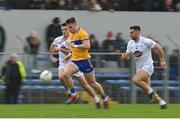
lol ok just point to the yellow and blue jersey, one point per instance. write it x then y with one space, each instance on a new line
77 38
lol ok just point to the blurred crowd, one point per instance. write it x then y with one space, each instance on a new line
94 5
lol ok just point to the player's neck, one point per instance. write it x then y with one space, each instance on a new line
65 37
77 29
137 40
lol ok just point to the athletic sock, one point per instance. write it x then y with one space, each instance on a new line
96 98
149 91
104 98
68 91
162 102
73 91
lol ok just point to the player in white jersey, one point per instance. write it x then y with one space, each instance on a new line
141 47
61 44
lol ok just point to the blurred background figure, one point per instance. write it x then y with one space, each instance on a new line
178 6
109 46
106 5
174 64
167 5
94 43
33 45
95 6
53 30
2 38
120 43
94 48
5 4
33 42
84 5
13 72
109 42
62 4
120 46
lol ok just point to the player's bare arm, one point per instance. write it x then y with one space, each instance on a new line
67 58
52 47
85 44
161 55
126 56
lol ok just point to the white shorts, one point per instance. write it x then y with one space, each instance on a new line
62 65
148 68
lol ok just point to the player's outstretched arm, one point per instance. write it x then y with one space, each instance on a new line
52 47
160 52
126 56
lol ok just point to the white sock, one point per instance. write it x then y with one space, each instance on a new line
73 94
68 91
150 90
162 102
96 98
106 98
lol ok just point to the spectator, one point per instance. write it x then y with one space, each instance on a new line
94 43
178 7
167 6
72 5
109 46
109 43
33 42
106 5
84 5
37 4
62 4
151 5
5 4
120 43
20 4
174 64
95 6
120 4
53 31
13 72
2 38
120 46
135 5
51 4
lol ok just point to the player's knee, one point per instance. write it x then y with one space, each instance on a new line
65 75
61 77
92 84
135 80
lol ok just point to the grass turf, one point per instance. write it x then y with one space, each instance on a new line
88 111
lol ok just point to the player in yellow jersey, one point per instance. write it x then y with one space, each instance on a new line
80 46
61 44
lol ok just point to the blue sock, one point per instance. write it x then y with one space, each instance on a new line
103 97
72 91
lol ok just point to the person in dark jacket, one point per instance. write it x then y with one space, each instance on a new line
13 72
2 38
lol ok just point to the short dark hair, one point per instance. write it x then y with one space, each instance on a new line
71 20
56 20
63 24
135 28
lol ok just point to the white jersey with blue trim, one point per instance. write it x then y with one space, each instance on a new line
141 51
60 42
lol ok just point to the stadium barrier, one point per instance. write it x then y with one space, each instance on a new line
116 80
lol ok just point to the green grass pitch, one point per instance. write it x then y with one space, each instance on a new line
88 111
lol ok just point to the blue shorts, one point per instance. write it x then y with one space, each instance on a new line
84 66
